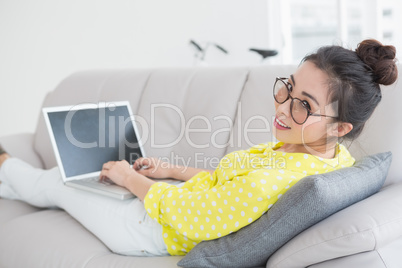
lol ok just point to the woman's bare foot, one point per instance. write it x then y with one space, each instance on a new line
3 156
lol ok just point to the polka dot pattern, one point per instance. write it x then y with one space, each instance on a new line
243 187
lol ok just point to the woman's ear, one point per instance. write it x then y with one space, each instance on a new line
340 129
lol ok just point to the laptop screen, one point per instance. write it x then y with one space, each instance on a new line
89 137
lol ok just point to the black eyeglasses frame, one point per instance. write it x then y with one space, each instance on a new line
309 113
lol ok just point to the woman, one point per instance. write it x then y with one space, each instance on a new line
330 97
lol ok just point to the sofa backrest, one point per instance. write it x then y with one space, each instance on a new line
194 116
169 104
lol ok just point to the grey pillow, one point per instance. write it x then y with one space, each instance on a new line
309 201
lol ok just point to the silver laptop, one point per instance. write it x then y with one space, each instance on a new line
86 136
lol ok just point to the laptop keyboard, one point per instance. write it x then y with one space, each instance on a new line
96 181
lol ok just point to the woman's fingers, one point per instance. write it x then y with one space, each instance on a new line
103 175
116 172
142 162
105 169
137 163
108 165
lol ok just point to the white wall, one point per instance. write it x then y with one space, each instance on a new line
43 41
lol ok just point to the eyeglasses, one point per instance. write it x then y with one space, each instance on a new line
299 109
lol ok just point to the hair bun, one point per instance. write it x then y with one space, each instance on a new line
380 59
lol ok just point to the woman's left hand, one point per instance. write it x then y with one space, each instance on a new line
117 171
122 174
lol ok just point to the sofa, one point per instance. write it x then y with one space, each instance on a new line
197 115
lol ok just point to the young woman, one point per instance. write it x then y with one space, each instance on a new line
330 97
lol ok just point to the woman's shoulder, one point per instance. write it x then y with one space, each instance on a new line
255 149
317 164
344 157
262 147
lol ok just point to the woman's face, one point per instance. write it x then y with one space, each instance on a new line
310 85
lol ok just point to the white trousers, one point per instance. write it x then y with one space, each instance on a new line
123 226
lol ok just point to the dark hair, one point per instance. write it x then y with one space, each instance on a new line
355 78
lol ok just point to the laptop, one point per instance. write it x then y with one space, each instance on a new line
86 136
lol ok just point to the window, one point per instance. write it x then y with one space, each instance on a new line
297 27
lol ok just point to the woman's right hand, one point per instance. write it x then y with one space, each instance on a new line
153 168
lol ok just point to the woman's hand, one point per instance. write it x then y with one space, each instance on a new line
123 175
153 168
117 171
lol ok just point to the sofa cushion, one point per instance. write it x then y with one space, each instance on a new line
48 238
377 135
341 240
187 126
309 201
11 209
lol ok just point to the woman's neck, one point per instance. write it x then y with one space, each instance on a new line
325 151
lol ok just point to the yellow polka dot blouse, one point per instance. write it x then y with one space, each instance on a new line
243 187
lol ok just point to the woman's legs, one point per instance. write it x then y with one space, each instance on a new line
123 226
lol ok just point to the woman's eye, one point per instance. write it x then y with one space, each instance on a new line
307 105
289 86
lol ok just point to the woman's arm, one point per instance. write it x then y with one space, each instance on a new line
182 173
157 169
218 210
122 174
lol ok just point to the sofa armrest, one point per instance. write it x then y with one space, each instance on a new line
365 226
21 146
388 256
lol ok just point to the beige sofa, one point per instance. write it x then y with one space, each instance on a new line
176 104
